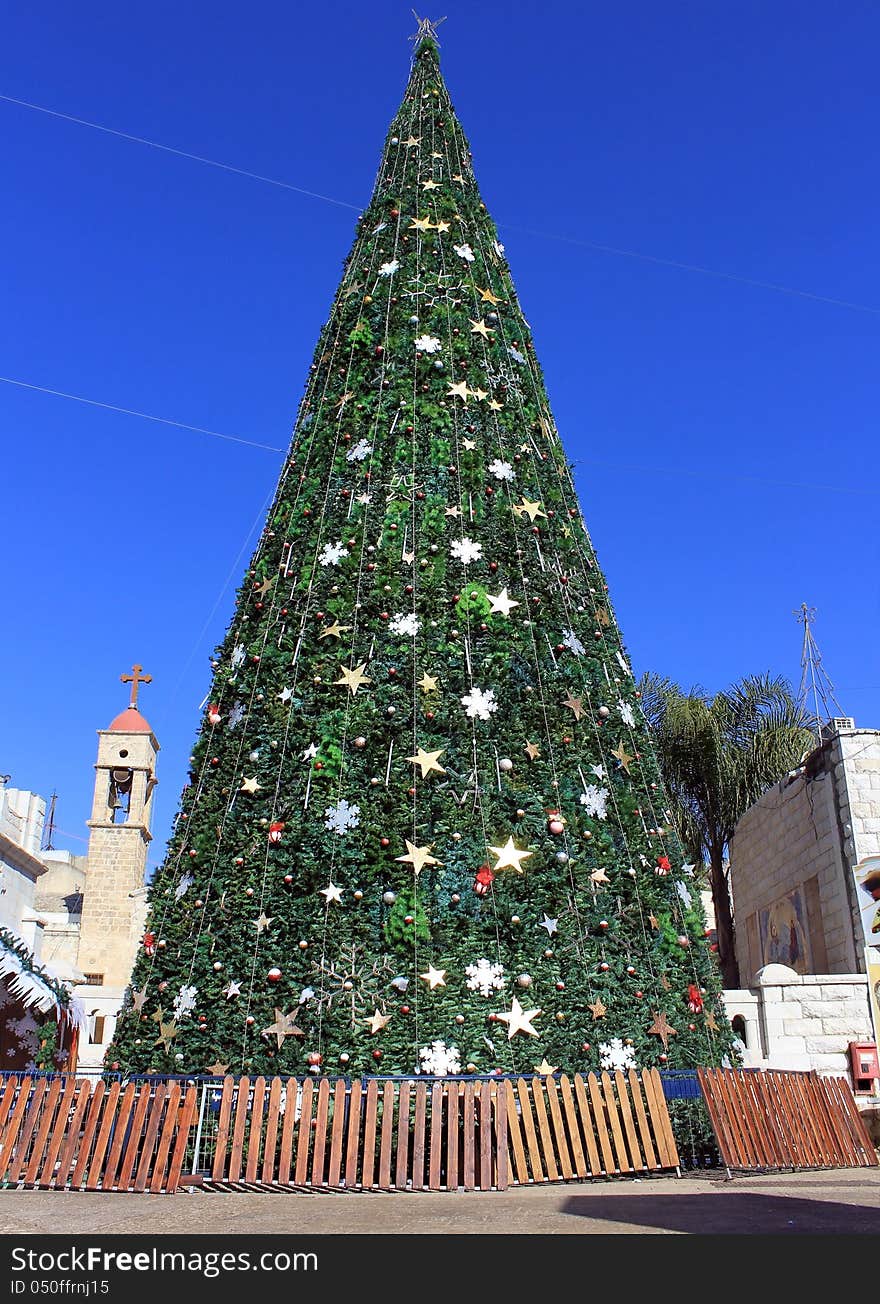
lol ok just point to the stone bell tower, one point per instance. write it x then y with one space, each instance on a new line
114 900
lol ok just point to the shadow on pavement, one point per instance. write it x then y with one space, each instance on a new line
728 1212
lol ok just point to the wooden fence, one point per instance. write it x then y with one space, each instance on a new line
785 1120
87 1135
412 1135
331 1134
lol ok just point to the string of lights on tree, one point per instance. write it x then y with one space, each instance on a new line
425 829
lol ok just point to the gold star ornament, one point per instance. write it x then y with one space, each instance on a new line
418 857
575 704
533 751
249 785
167 1033
427 683
434 977
378 1021
427 761
622 756
598 1009
518 1020
500 603
284 1026
532 510
487 296
509 856
353 679
546 1070
660 1028
421 224
480 328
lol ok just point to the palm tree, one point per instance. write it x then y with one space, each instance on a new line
718 754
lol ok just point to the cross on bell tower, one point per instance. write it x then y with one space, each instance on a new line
135 679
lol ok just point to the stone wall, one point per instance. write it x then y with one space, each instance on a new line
802 1022
807 833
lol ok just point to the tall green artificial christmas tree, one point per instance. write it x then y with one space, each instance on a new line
425 829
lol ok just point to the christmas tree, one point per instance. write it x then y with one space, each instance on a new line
425 829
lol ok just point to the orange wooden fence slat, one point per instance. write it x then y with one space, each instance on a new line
468 1178
569 1106
255 1137
14 1124
304 1135
635 1091
369 1146
45 1102
90 1128
537 1089
420 1119
221 1158
151 1131
587 1123
502 1160
435 1156
387 1137
167 1134
514 1130
319 1145
72 1136
485 1102
288 1096
352 1153
96 1163
597 1108
558 1128
273 1114
637 1163
337 1135
120 1128
238 1128
57 1135
400 1172
186 1118
453 1098
134 1135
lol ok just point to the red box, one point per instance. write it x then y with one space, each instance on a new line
864 1064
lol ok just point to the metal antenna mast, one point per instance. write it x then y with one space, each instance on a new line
814 680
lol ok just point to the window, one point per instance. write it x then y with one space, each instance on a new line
94 979
97 1029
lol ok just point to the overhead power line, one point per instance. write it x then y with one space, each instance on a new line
544 235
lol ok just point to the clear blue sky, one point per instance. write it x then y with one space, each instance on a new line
725 433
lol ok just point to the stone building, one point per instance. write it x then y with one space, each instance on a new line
799 909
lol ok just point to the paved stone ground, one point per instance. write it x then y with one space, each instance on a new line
842 1201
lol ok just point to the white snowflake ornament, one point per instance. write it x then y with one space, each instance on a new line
596 801
183 886
626 713
239 653
438 1059
427 344
332 554
388 269
408 624
342 817
464 251
501 470
516 355
185 1002
359 452
616 1056
485 977
236 715
480 703
466 550
573 643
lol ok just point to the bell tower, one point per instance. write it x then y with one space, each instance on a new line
114 899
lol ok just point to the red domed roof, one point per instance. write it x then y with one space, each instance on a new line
129 721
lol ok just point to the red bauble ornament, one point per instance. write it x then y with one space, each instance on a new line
213 714
150 943
377 1055
483 879
274 975
314 1058
275 832
663 865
